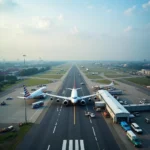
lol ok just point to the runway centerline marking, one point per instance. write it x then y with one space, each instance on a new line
90 120
54 129
48 147
74 115
93 131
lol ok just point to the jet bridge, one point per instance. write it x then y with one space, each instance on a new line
138 107
116 110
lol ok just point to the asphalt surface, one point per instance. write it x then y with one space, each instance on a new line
67 128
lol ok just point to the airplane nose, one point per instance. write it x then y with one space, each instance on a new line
73 101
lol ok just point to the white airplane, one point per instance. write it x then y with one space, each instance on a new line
40 93
105 85
74 97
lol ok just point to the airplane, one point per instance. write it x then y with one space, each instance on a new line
40 93
105 86
74 98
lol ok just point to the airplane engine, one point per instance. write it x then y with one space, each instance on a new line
89 99
65 102
82 102
51 98
95 97
57 100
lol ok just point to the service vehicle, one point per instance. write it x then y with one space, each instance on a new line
9 98
125 126
100 104
147 120
82 83
3 103
121 102
137 114
125 103
136 127
133 138
98 109
87 113
92 115
106 114
37 104
33 89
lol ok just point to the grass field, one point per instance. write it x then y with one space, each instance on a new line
103 81
109 75
32 82
107 72
56 76
9 141
141 80
93 77
5 87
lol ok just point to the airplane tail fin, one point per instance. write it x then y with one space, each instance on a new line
78 88
69 89
26 92
112 83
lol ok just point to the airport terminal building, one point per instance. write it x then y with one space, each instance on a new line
116 110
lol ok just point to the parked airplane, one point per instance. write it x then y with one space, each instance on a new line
40 93
105 85
74 97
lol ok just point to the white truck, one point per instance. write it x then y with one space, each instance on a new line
100 104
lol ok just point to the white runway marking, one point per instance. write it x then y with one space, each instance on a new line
82 145
70 144
90 120
33 115
48 147
93 131
54 129
76 145
64 145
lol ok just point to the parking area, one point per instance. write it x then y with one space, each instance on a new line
131 95
14 110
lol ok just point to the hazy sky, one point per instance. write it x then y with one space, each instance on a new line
75 29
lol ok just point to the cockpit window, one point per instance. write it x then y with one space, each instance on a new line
74 97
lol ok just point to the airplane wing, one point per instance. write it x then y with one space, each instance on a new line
61 97
21 97
87 96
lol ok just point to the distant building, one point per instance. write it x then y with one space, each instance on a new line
125 65
145 72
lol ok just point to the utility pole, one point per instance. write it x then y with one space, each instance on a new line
24 98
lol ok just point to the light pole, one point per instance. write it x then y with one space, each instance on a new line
4 71
24 98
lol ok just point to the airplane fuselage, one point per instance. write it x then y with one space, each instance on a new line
38 93
74 96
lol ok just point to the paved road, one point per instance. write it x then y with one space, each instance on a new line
66 128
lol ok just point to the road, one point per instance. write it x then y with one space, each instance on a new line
67 128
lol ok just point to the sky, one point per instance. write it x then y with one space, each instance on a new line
75 30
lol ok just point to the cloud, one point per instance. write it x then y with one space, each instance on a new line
1 2
74 30
7 5
129 11
60 17
109 10
129 28
90 6
146 5
41 23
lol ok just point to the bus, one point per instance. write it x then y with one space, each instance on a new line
37 104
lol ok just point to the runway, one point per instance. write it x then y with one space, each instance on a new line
67 128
